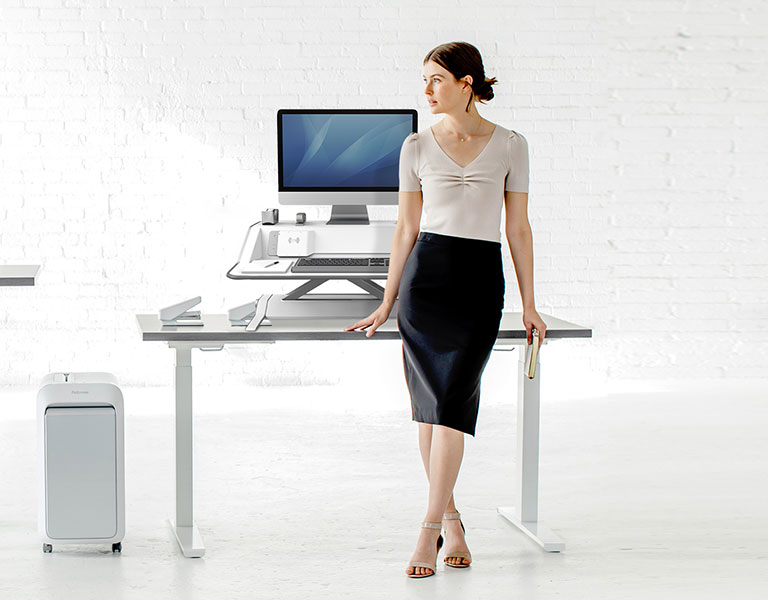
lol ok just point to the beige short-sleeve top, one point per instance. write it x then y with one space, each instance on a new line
464 201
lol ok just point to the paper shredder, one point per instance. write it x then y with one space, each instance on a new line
81 460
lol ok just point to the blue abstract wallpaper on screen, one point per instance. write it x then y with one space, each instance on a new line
342 150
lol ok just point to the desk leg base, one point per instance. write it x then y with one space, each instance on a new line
538 532
189 540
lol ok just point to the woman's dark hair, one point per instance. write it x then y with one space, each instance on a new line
460 59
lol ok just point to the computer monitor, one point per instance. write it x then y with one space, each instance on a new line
345 158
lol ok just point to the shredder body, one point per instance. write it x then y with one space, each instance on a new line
81 459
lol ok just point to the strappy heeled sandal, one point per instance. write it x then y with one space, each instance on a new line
458 554
429 525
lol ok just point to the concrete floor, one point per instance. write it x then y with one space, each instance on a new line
657 495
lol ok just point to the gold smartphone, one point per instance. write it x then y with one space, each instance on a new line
532 353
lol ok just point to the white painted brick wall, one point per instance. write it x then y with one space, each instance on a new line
137 142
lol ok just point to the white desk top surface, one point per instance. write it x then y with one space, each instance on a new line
216 328
18 274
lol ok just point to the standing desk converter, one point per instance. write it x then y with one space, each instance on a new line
262 243
216 332
374 239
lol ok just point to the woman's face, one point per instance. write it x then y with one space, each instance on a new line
444 93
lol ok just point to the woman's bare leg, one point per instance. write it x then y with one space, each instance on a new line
425 447
446 450
454 541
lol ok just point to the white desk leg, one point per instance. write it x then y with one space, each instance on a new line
525 515
184 528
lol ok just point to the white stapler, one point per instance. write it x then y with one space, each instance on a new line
179 314
244 314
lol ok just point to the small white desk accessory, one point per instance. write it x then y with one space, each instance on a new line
295 242
179 314
260 314
243 315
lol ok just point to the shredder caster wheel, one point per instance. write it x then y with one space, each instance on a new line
118 547
47 548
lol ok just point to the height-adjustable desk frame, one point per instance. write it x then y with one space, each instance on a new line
216 332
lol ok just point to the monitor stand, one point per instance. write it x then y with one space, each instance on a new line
349 214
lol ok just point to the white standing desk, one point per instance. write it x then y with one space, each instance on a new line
216 332
18 274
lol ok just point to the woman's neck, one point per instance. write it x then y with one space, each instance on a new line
464 124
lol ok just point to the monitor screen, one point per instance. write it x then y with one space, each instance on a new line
341 150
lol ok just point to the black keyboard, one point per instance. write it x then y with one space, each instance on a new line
341 265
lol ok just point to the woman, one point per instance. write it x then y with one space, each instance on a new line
449 278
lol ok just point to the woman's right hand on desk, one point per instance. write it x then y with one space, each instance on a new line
375 320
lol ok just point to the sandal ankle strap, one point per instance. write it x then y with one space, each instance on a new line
452 516
431 525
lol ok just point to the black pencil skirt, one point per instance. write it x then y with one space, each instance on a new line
449 309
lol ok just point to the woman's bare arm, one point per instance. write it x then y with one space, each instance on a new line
406 232
520 240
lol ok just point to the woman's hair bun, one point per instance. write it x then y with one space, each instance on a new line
484 91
